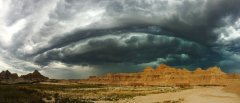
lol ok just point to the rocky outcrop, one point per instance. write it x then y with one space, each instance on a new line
233 76
164 75
35 76
148 70
7 77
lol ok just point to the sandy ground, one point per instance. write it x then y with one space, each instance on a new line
196 95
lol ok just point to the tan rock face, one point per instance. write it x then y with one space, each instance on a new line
148 70
199 71
162 68
165 75
215 70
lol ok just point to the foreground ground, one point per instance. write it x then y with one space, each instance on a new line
85 93
75 93
196 95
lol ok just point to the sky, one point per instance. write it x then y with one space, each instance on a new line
70 39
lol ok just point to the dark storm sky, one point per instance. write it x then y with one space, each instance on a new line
78 38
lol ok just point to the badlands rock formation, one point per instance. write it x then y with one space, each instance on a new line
7 77
34 76
165 75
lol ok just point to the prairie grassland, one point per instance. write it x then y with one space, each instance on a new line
74 93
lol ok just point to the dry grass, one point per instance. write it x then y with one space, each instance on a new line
18 94
75 93
109 93
180 100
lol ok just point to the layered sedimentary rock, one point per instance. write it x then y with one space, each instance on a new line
34 76
164 75
7 77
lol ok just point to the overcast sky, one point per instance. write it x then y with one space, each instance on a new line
78 38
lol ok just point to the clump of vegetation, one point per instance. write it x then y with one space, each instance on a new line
68 100
180 100
16 94
73 93
118 96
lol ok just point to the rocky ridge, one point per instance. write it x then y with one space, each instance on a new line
7 77
165 75
34 76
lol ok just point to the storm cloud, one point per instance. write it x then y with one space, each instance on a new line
78 38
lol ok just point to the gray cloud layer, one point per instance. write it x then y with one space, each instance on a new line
92 37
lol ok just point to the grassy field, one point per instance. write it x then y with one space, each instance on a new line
74 93
18 94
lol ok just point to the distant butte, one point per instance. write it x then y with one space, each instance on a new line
165 75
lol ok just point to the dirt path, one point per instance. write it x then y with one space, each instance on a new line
196 95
